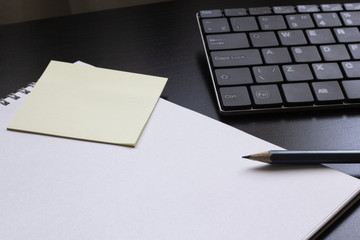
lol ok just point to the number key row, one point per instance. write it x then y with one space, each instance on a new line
278 22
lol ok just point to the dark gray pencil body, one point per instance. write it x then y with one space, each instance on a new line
307 157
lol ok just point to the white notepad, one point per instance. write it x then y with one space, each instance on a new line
185 179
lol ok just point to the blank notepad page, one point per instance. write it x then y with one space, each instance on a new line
183 181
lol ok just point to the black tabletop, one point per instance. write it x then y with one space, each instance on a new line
163 39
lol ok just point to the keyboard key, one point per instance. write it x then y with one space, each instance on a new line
299 21
347 34
260 11
327 20
331 7
210 13
227 41
352 69
292 37
272 22
308 8
306 54
236 58
244 24
266 95
216 25
263 39
235 12
324 71
352 6
297 93
284 9
334 52
319 36
297 72
276 55
235 97
355 50
328 91
233 76
352 89
351 18
267 74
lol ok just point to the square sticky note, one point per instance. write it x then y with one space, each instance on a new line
89 103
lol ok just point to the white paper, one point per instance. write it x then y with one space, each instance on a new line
185 179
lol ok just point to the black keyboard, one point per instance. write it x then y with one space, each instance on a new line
284 58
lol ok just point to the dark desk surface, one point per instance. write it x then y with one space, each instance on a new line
163 40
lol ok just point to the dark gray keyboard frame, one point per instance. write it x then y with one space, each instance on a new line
253 108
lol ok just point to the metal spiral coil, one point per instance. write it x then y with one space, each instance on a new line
23 90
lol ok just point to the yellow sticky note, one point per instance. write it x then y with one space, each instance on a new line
89 103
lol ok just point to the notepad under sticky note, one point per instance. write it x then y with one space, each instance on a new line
182 181
88 103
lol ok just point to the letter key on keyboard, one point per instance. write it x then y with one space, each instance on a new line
283 58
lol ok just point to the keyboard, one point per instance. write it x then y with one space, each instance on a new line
283 58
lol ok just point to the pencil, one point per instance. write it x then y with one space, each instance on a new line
306 157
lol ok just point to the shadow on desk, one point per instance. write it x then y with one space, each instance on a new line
22 10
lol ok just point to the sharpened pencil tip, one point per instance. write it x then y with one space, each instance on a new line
247 156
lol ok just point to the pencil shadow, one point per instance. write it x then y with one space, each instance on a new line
278 168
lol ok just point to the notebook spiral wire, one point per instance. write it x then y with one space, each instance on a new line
23 90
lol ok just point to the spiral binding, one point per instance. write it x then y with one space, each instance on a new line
23 90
